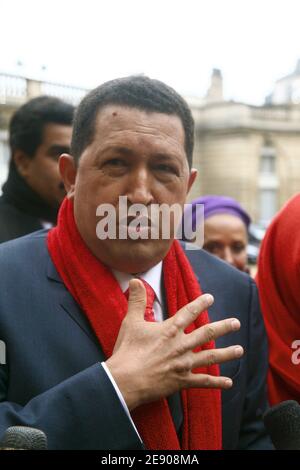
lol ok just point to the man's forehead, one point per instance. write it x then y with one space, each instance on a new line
53 132
115 117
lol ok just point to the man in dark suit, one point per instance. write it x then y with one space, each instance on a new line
39 132
81 363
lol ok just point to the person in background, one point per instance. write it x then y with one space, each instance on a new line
278 284
39 132
225 228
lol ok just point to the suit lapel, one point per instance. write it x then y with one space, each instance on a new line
68 304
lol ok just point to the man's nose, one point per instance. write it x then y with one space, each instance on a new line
140 187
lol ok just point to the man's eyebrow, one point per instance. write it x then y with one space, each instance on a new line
128 152
166 156
58 149
158 156
119 149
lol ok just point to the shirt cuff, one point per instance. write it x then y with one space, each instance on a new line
120 396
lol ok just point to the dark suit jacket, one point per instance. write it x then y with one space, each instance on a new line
53 379
21 208
15 223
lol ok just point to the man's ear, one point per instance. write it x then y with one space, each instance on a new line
22 162
192 178
68 171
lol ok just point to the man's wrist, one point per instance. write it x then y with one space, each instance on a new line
121 381
120 396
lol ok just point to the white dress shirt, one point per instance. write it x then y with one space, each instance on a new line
154 278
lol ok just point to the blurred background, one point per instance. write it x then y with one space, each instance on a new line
237 63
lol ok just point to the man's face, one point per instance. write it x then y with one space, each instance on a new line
41 172
135 154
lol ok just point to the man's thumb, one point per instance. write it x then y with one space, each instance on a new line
137 299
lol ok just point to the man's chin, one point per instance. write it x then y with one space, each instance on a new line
136 256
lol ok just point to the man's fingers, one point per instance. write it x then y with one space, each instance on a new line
208 381
216 356
211 332
188 314
137 299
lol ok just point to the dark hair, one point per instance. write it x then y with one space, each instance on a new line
139 92
27 124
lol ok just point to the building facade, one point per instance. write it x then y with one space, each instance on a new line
251 153
15 91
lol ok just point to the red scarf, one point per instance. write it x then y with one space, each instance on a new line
86 278
278 281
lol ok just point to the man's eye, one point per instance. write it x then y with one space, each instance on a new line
167 168
117 162
55 157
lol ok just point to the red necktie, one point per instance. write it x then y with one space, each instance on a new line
149 312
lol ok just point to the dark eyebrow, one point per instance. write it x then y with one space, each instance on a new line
165 156
170 159
121 150
156 156
58 149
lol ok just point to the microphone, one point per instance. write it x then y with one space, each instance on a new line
23 438
283 424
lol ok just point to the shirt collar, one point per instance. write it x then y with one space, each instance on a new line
153 276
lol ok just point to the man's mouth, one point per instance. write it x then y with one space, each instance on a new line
133 225
141 221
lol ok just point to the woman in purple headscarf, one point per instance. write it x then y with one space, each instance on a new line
225 228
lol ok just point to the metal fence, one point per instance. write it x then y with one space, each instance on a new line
16 90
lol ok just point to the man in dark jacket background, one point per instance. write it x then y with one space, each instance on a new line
39 132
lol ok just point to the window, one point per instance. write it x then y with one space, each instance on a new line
268 160
268 184
267 204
